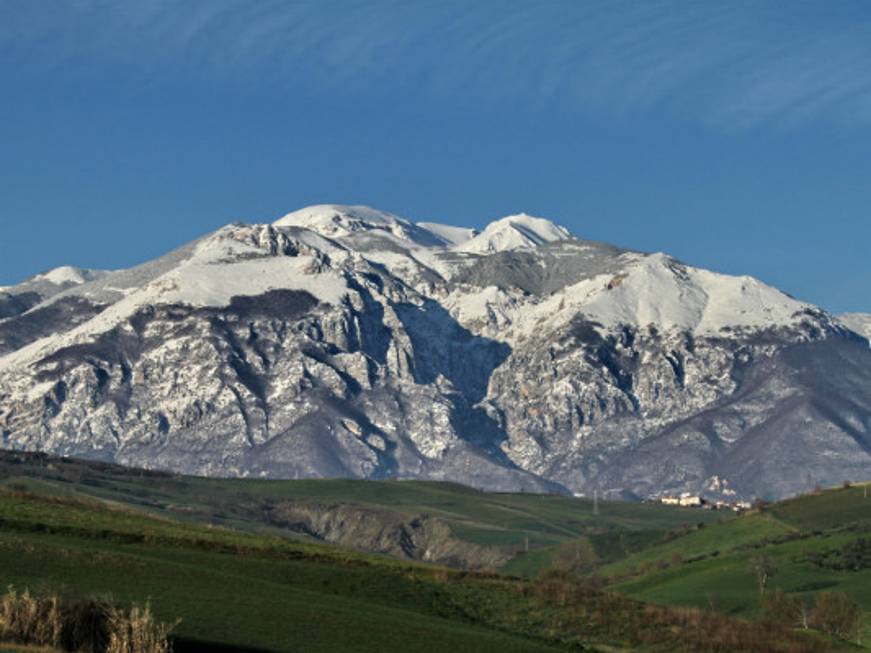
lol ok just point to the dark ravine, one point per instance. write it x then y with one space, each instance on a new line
419 537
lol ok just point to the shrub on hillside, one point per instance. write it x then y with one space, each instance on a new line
84 625
853 556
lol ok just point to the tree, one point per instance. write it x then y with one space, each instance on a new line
764 568
782 609
836 614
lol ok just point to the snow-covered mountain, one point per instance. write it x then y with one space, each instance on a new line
514 232
17 299
346 341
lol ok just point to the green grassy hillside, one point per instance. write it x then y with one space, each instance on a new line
230 559
237 589
814 543
519 532
254 592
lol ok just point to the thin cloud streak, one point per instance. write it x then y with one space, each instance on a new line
728 64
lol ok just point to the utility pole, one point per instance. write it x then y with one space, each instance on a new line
596 502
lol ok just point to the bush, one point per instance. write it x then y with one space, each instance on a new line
853 556
84 625
836 614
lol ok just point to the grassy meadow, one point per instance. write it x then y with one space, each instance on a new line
513 525
635 577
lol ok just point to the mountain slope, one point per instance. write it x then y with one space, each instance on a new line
858 322
345 341
15 300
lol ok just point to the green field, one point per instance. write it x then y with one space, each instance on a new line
202 550
237 589
253 592
713 566
522 531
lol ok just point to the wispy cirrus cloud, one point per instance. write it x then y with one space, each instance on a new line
731 63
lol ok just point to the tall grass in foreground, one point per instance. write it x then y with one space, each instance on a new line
27 619
81 625
136 631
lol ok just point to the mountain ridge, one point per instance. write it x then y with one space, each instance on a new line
348 341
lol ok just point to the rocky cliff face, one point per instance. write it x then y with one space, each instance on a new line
342 341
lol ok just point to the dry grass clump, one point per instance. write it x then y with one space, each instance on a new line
27 619
80 625
136 631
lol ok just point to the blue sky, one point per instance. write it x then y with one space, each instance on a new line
734 136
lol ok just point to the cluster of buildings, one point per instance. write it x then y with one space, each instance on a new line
695 501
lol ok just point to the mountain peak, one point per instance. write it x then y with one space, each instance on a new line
337 214
340 219
344 221
358 222
68 274
56 278
515 232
